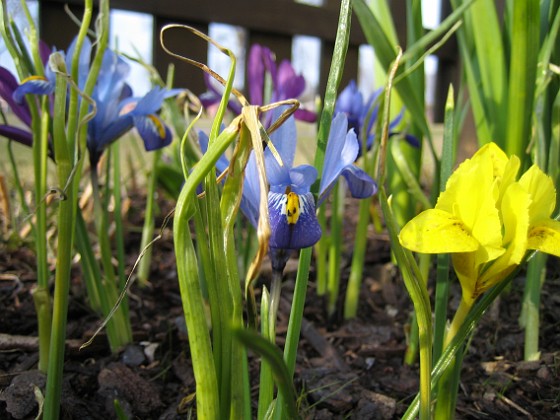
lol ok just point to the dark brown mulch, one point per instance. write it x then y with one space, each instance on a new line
351 369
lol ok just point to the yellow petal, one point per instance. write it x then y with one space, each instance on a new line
471 194
515 215
435 231
497 156
509 176
541 188
466 268
545 236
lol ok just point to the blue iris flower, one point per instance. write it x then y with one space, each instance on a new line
291 203
362 115
117 110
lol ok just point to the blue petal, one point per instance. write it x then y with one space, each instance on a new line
114 70
151 102
360 184
350 101
412 140
342 150
101 135
302 177
284 140
83 60
251 192
396 121
36 85
302 234
153 131
223 162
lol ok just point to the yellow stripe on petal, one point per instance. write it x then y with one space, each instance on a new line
545 236
292 208
158 125
435 231
34 78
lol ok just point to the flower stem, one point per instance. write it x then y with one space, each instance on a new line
335 248
536 273
448 384
66 226
42 301
119 331
148 229
356 270
294 324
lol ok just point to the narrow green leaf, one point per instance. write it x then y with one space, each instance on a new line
386 53
523 68
273 356
484 28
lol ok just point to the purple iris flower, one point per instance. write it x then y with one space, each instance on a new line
291 203
117 110
286 84
363 115
8 85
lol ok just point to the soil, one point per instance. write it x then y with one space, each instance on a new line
345 369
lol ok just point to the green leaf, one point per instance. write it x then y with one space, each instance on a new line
386 54
523 69
273 357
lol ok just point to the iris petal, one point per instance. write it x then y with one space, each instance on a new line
543 195
361 185
545 236
284 140
302 177
350 101
35 85
251 191
222 163
302 234
8 84
515 215
471 196
255 71
288 83
17 134
153 131
151 102
435 231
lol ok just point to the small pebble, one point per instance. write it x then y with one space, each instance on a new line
133 355
543 373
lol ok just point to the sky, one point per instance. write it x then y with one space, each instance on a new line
131 33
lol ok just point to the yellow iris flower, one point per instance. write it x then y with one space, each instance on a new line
487 218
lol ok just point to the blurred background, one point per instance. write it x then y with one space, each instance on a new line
302 31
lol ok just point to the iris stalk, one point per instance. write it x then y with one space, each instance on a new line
302 277
66 227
